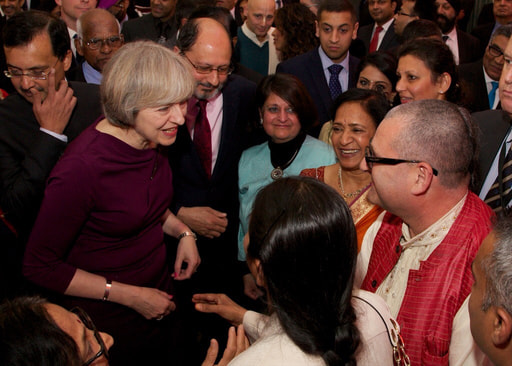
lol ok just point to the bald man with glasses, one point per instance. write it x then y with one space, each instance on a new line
418 253
99 38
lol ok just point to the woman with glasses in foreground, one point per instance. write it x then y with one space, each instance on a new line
357 114
99 236
301 248
36 332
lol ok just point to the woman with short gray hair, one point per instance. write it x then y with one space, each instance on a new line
99 236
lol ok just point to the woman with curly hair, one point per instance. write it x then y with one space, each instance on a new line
294 22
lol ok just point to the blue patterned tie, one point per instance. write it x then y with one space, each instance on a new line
492 93
334 81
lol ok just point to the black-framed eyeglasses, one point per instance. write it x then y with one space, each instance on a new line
84 317
97 43
495 51
33 74
371 159
221 70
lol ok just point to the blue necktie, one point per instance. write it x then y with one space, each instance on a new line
334 81
492 93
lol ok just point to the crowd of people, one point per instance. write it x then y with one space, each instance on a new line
256 182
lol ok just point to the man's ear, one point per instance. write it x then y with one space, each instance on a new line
423 179
354 32
67 60
502 327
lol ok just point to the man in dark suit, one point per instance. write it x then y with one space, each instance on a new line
39 120
495 142
465 47
481 77
205 180
502 11
159 26
380 35
336 28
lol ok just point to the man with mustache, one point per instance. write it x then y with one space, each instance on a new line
159 26
463 45
38 121
204 163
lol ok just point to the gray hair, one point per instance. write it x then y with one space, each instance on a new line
503 30
441 134
497 267
140 75
92 14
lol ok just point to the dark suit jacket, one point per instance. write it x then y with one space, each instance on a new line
192 187
469 47
76 74
389 41
27 155
494 126
483 33
308 68
473 84
144 28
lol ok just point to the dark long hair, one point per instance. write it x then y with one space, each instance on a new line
302 232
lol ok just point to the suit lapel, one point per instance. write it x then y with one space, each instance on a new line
388 38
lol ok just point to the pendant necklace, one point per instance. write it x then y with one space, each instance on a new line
277 172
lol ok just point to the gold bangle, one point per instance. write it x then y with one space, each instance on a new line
108 286
187 233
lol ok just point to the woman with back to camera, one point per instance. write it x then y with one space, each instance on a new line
99 233
357 113
294 32
302 250
287 112
426 70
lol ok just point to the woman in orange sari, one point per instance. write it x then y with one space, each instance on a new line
357 113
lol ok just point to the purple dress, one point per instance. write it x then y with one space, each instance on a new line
102 213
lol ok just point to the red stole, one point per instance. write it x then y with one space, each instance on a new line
437 290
